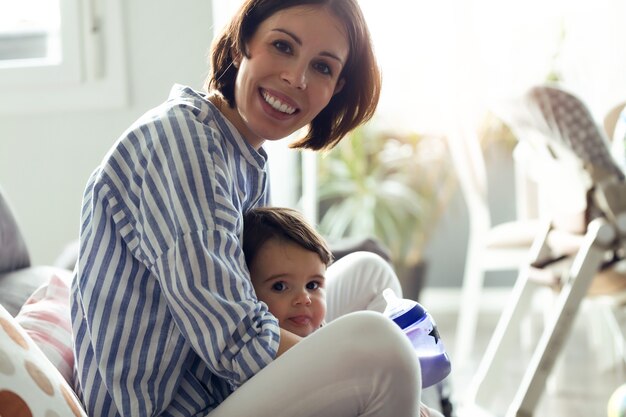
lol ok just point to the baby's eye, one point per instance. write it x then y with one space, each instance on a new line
282 46
279 286
313 285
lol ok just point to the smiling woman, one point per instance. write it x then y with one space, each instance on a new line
161 267
293 63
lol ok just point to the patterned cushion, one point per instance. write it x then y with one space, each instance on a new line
46 318
29 384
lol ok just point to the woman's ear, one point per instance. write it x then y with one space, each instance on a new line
236 58
339 86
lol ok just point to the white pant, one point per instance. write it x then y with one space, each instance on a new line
360 364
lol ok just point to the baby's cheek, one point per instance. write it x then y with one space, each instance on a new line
323 311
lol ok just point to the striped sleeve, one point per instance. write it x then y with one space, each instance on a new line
232 334
161 268
186 228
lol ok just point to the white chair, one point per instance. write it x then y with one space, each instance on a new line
590 268
611 118
615 129
490 247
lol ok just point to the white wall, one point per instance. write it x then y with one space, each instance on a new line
45 159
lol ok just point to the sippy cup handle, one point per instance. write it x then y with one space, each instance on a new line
419 326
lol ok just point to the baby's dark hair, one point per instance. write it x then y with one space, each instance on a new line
263 224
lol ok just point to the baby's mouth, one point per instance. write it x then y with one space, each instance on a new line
300 320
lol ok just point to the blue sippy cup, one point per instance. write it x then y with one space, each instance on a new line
421 330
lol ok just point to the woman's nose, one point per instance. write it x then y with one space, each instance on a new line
295 76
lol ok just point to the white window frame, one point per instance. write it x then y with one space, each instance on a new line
91 75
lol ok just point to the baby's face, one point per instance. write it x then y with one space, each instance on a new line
290 280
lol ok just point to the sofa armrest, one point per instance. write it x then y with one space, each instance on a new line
13 251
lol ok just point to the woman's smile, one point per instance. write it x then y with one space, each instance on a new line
281 105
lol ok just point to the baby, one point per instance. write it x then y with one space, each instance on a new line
287 260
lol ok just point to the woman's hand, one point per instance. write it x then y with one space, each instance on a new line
428 412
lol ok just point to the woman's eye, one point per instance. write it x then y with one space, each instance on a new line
313 285
323 68
279 286
282 46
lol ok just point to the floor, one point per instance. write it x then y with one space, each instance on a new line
578 387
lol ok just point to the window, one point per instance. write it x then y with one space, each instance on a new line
61 55
29 32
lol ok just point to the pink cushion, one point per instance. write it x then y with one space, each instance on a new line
46 318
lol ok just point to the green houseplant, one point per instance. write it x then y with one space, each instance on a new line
390 185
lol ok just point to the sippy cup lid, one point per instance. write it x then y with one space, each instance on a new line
403 312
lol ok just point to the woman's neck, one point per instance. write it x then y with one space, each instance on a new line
233 116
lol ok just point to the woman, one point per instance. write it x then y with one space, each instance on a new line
166 321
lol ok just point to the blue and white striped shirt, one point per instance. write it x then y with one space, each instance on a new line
165 318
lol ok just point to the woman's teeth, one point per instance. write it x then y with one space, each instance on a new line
277 104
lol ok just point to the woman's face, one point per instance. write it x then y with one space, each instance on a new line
295 58
290 280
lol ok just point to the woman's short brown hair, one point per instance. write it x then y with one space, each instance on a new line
354 104
263 224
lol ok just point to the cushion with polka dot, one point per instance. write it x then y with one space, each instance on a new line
29 384
46 318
